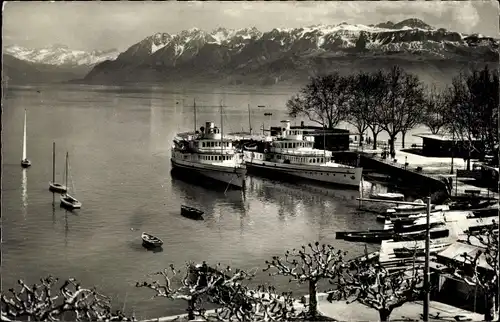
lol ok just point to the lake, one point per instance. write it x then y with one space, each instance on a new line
119 141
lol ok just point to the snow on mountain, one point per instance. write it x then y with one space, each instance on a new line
60 55
194 52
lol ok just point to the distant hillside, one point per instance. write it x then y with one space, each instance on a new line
16 71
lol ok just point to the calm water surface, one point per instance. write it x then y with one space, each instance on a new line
119 142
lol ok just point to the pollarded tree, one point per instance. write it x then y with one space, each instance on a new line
376 287
367 92
401 108
45 302
310 265
487 278
198 285
437 109
324 100
260 305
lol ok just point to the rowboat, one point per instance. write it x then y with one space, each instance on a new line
192 213
150 240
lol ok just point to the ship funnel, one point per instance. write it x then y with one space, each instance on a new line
285 124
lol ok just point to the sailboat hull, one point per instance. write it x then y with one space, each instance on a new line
25 163
70 203
57 187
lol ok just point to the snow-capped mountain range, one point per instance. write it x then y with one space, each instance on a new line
60 55
280 52
277 55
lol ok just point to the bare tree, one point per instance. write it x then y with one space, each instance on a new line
199 284
487 279
374 286
474 104
366 94
42 302
324 100
401 109
437 109
309 265
260 305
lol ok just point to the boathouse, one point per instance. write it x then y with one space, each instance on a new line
438 145
332 139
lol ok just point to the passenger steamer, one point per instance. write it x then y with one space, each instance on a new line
209 154
292 154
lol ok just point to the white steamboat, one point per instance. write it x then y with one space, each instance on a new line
208 154
291 153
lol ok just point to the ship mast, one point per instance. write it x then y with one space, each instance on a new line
249 120
194 109
221 133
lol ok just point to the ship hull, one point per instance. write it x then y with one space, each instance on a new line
348 177
232 177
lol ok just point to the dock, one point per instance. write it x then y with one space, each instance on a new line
456 222
423 169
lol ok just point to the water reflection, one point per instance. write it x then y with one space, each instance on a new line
66 228
208 199
24 191
53 208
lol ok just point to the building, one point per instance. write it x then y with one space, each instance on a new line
332 139
438 145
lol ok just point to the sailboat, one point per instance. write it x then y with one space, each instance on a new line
67 200
53 185
24 161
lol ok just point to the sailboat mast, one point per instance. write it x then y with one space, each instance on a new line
66 170
24 137
53 162
249 120
194 109
221 132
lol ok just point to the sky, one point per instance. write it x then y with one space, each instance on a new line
100 25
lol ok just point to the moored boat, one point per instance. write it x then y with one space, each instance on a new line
419 251
25 163
389 196
150 240
68 201
207 154
192 213
291 153
53 185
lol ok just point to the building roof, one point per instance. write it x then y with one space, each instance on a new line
456 250
437 137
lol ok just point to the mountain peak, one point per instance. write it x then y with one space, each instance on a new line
412 23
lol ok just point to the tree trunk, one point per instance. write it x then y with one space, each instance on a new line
384 314
375 134
468 156
313 300
403 134
361 139
391 144
191 304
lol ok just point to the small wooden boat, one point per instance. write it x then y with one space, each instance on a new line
421 235
150 240
389 196
419 251
25 163
376 236
53 185
192 213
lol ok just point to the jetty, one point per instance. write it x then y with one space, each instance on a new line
425 171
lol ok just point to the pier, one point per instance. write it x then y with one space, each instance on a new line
429 172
